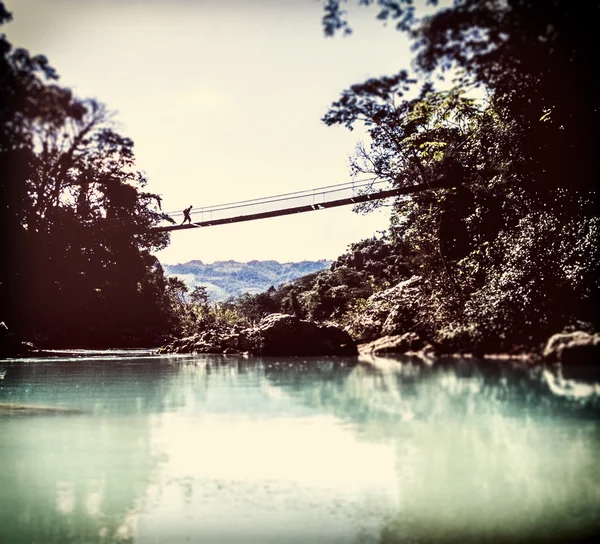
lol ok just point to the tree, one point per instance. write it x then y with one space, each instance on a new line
514 210
535 58
75 218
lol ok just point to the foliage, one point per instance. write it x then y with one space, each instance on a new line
506 239
400 11
331 294
194 312
76 249
226 279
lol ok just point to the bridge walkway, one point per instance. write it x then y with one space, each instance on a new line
331 196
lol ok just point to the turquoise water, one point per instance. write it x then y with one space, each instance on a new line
223 449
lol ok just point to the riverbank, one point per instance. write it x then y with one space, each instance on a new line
287 335
282 334
30 351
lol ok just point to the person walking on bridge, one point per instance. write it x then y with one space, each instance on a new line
186 215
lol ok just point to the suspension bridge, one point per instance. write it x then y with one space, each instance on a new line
320 198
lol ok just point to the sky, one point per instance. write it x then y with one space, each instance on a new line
224 100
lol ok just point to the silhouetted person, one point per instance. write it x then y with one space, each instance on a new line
186 215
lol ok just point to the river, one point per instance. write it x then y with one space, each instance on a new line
134 448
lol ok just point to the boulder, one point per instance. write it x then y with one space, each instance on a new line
181 345
283 334
573 349
11 346
276 334
401 343
390 312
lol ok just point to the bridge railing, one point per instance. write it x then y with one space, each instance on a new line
311 197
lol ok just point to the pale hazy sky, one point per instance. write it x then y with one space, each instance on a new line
223 99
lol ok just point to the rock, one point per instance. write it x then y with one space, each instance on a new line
276 334
400 343
191 344
428 351
32 409
28 348
11 346
390 312
283 334
573 349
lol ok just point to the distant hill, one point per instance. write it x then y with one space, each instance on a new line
225 279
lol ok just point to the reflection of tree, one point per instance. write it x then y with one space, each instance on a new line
76 478
131 385
417 391
79 477
85 477
481 448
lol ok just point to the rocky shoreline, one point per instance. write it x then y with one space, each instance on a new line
287 335
276 334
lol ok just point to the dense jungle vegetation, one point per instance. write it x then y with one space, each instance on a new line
503 111
508 251
68 184
499 114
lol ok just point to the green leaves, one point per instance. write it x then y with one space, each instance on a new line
402 12
74 216
508 245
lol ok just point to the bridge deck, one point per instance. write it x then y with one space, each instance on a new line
325 204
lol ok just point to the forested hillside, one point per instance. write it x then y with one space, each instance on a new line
226 279
76 268
502 108
499 114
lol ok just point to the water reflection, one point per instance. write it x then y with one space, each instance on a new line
62 478
482 452
76 478
217 449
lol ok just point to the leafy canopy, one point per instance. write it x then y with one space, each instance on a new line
514 210
74 215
